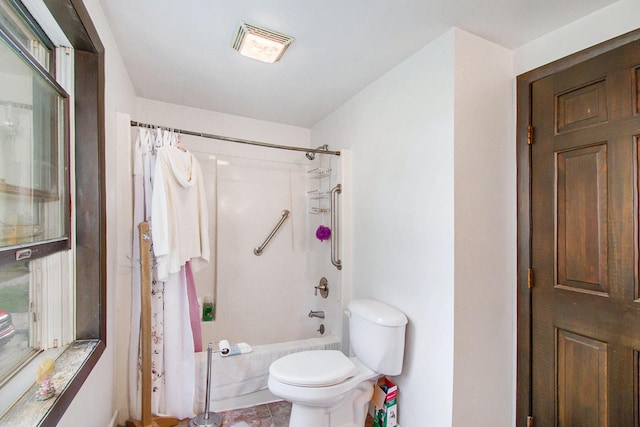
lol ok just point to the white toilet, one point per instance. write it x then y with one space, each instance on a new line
327 388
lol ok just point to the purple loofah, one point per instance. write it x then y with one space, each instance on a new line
323 233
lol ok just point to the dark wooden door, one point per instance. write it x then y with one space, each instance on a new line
585 326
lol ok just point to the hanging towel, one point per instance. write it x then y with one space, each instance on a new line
179 358
194 310
179 223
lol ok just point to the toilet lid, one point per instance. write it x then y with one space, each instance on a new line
313 368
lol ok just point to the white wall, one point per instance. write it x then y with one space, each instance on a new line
400 132
604 24
96 400
485 242
162 113
434 223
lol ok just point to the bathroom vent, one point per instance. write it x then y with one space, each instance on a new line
260 43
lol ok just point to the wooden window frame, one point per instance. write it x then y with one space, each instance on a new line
91 251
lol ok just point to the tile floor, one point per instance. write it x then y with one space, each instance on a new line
274 414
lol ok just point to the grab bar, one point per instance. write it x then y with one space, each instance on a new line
335 242
258 251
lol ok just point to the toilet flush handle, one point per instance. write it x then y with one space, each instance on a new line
347 313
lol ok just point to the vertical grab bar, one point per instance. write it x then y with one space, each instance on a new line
335 227
258 251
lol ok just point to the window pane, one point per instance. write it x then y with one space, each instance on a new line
33 205
14 317
29 35
36 270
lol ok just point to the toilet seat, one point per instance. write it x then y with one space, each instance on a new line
313 368
323 395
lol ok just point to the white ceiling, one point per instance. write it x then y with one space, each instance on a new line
180 51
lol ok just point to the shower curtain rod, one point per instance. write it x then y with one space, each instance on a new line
238 140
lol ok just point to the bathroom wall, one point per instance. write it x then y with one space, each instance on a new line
400 132
436 238
485 240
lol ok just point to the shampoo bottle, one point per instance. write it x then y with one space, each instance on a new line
207 309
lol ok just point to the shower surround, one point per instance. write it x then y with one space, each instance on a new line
261 300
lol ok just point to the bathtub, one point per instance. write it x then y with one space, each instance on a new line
241 381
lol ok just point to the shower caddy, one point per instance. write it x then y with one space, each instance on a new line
316 205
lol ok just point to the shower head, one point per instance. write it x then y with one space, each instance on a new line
311 155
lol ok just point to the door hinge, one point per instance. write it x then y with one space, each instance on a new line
529 135
530 278
529 421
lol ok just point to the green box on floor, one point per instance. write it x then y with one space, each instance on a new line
385 402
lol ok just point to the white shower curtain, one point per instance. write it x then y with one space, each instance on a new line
173 359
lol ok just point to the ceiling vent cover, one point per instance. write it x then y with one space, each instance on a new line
260 43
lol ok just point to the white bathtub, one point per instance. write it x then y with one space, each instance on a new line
241 381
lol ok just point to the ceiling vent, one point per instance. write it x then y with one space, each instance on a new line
260 43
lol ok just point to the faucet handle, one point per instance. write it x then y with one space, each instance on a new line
324 288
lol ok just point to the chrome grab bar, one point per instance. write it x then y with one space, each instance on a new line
258 251
335 231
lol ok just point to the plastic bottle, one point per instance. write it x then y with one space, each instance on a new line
207 309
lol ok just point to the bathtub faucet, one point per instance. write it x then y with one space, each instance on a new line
319 314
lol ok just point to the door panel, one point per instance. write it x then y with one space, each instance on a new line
582 213
582 380
637 89
582 107
585 326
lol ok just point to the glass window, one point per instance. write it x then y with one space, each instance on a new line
15 345
34 207
27 32
35 216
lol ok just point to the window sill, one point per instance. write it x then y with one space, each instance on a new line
72 367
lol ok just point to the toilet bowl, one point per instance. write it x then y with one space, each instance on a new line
322 385
327 388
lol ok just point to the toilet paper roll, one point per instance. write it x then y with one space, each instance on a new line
224 347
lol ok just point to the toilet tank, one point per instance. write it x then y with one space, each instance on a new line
377 335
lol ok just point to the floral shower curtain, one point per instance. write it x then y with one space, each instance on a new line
157 164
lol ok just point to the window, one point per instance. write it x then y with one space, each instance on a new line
34 194
16 19
34 189
87 310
